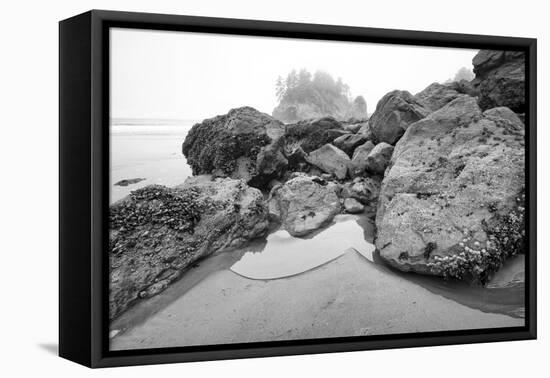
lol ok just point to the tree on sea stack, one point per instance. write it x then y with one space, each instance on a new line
304 96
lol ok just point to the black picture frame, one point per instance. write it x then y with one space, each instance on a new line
84 179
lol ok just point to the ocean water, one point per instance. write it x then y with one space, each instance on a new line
148 149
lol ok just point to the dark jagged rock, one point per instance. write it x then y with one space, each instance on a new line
451 192
244 144
127 182
157 232
394 113
500 78
349 142
297 160
313 134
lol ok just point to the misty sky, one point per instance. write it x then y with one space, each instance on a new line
180 75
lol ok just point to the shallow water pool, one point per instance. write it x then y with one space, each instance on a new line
285 255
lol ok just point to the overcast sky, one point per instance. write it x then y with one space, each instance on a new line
180 75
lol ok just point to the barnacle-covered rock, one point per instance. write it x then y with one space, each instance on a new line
243 144
453 183
157 232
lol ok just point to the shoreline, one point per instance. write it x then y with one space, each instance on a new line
361 299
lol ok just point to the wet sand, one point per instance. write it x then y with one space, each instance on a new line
348 296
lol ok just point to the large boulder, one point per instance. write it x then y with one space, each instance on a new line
436 95
500 78
312 134
304 204
330 159
379 158
243 144
318 104
358 165
452 204
394 113
157 232
349 142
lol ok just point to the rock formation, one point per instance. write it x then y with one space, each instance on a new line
500 79
243 144
379 158
364 189
304 96
312 134
349 142
331 160
304 204
394 113
157 232
352 206
436 95
358 165
444 170
453 191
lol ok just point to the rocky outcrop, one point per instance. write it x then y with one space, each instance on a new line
358 165
436 95
243 144
394 113
340 109
127 182
157 232
451 204
500 79
312 134
349 142
330 159
379 158
304 204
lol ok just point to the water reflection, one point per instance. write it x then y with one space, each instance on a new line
502 295
285 255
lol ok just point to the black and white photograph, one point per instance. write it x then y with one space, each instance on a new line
271 189
275 189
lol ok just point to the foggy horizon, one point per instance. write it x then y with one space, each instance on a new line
193 76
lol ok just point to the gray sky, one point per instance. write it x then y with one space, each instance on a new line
158 74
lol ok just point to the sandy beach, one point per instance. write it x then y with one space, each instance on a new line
348 296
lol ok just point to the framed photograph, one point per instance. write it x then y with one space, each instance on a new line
236 188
